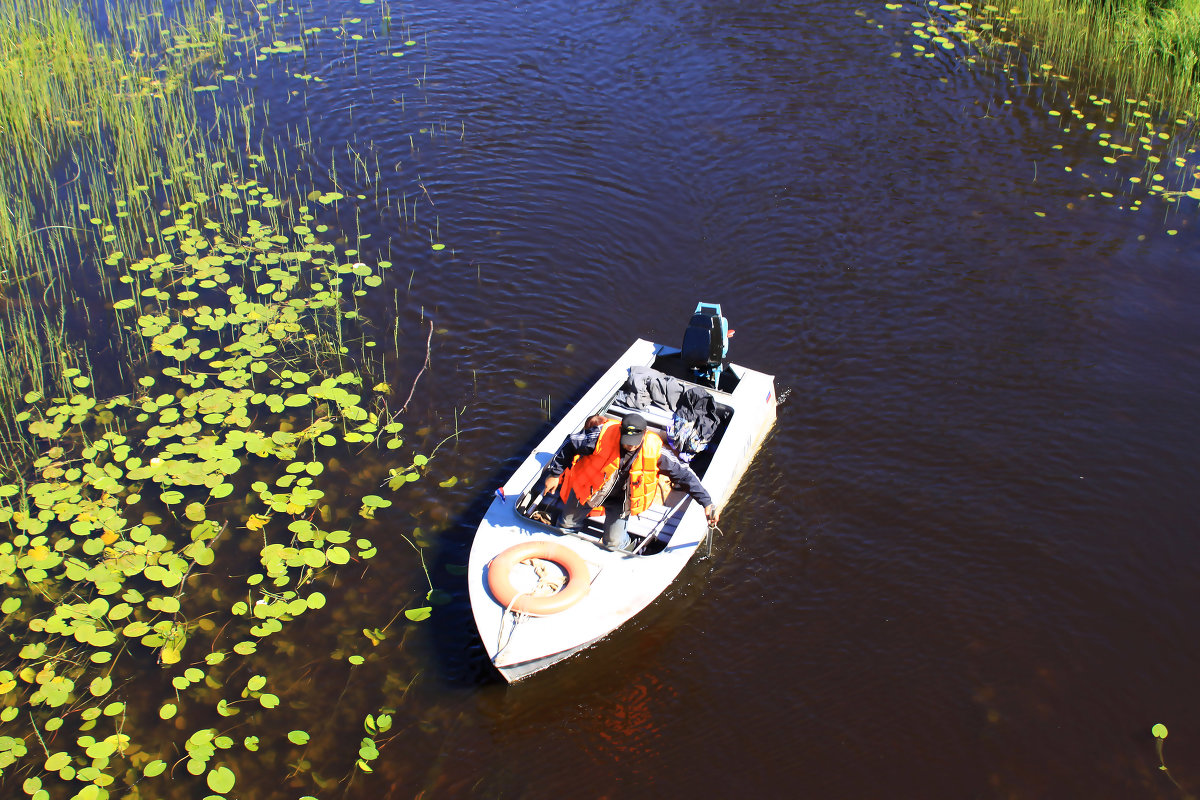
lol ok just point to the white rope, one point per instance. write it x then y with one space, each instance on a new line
517 618
544 580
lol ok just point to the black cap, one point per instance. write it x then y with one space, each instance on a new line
633 428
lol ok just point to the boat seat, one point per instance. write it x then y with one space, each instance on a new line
647 522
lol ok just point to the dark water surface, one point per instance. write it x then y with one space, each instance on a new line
964 565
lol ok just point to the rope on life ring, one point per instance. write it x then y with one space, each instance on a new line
507 595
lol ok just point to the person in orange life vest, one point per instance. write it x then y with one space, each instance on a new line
617 466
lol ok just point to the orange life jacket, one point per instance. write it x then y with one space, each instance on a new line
589 473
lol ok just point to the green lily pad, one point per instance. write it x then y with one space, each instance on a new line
221 779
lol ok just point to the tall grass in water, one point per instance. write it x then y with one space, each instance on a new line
1147 49
87 120
106 132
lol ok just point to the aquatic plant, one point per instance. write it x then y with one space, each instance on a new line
1160 735
116 126
87 121
1144 50
127 529
1147 150
176 491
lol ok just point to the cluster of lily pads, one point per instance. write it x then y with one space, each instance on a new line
96 114
185 523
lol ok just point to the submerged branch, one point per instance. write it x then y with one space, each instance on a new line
428 343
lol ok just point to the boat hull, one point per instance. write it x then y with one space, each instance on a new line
622 583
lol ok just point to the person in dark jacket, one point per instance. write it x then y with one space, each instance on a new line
617 466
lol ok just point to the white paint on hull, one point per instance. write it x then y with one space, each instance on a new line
622 584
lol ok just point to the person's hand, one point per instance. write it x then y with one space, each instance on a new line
713 515
552 483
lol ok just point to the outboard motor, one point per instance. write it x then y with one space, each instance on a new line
706 343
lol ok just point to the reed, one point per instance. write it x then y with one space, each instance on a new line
1143 49
104 135
88 122
119 203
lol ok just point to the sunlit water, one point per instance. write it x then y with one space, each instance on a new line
964 565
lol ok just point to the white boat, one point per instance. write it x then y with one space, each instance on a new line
603 588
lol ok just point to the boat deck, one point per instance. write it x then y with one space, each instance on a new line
621 583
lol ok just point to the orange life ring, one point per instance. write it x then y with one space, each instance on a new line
578 580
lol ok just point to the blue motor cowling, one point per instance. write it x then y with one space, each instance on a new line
706 343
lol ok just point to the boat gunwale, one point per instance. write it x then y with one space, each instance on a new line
504 524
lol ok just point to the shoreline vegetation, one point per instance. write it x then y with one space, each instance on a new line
185 376
1143 49
1125 72
1148 49
90 125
